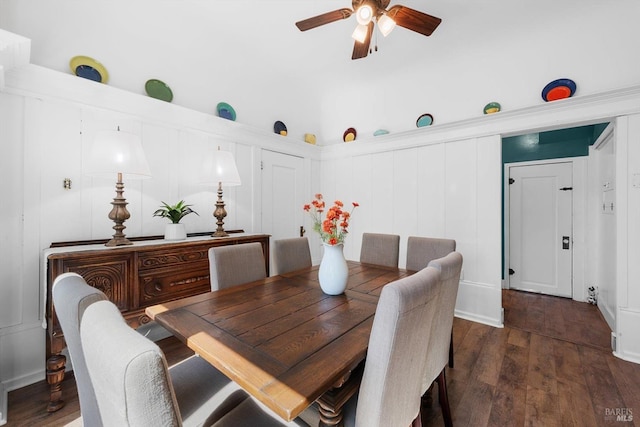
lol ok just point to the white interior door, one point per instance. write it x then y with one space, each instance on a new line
282 195
540 228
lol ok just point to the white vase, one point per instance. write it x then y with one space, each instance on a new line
175 232
334 272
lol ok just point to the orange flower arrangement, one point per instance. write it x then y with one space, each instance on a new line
334 228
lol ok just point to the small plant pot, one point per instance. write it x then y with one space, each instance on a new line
175 232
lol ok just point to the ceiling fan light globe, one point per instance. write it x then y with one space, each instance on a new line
364 14
386 25
360 33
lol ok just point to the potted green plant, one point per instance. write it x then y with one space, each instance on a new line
174 213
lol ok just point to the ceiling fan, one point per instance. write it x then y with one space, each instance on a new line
369 11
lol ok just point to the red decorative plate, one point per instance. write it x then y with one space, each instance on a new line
559 89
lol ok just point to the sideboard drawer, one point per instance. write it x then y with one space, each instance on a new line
160 285
151 260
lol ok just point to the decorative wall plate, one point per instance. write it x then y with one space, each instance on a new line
280 128
424 120
158 89
310 138
88 68
226 111
492 107
349 135
380 132
559 89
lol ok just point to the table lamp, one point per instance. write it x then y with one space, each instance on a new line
120 154
221 169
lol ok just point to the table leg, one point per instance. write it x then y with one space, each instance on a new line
330 403
55 375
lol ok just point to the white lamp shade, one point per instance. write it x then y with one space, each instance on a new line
116 152
360 33
364 14
220 168
386 25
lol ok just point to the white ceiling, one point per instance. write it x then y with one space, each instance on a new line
251 55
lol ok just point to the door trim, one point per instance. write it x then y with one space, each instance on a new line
578 223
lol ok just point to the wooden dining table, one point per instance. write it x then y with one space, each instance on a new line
282 339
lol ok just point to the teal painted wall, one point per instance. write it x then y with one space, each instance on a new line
572 142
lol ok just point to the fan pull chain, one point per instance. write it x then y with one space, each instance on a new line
375 48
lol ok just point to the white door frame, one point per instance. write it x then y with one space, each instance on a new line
578 224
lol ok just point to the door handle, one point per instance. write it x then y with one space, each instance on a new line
302 231
565 242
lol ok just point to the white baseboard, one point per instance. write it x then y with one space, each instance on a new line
496 323
627 357
4 396
480 302
6 387
628 338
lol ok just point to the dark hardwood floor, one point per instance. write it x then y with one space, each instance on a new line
551 365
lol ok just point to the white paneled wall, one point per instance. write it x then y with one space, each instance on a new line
627 296
449 190
11 193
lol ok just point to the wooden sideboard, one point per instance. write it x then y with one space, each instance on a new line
133 277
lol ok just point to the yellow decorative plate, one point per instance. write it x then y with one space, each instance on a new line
88 68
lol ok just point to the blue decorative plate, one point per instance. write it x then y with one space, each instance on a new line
89 73
424 120
559 89
380 132
226 111
280 128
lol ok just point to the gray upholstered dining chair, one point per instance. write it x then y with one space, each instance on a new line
291 254
449 267
390 391
71 296
236 264
422 250
135 387
380 249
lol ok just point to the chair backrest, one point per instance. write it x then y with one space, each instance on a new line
438 354
390 391
129 372
71 296
422 250
380 249
236 264
291 254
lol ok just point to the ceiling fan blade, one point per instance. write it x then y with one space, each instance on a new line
360 50
325 18
414 20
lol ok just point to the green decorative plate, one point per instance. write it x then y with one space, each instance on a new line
491 108
159 90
